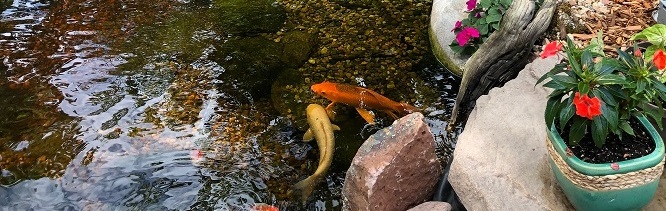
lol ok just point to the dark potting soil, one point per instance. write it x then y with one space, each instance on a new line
614 150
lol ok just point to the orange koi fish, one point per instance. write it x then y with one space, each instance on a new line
361 99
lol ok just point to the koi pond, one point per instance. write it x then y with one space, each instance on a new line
198 104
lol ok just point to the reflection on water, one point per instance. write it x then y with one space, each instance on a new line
156 105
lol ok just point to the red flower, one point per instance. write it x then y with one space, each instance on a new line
638 53
466 34
587 107
551 49
659 59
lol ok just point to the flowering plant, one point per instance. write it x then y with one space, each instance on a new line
484 18
600 94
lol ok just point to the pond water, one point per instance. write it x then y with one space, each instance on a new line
197 105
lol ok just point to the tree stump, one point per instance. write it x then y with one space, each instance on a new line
503 55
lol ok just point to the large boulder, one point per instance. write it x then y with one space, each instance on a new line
443 18
395 169
500 160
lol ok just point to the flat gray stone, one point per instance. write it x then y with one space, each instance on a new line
395 169
432 206
443 18
500 159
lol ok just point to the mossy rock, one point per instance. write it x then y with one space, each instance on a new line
250 64
249 16
298 46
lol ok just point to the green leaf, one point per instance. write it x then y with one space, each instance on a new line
552 109
586 59
655 114
658 85
626 58
599 131
583 88
640 85
606 66
554 85
483 29
496 25
572 56
482 21
567 112
492 18
655 34
624 124
505 3
565 80
486 3
468 21
603 94
609 79
577 131
615 91
610 114
556 70
649 52
596 46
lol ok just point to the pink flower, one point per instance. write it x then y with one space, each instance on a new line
471 4
457 26
466 34
477 15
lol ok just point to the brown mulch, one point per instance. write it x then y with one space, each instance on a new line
622 20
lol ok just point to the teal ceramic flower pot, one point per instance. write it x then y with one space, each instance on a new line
625 185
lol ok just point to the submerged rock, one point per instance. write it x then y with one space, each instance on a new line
250 64
249 16
298 46
395 169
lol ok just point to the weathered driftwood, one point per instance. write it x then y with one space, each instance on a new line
504 54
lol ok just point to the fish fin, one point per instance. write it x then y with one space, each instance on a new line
331 114
335 127
329 111
408 109
308 136
304 188
391 114
330 106
367 115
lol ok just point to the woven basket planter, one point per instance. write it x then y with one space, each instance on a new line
625 185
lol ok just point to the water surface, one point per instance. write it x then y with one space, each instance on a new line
173 105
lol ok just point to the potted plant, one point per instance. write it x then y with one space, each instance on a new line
604 152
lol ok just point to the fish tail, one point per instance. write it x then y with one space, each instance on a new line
407 109
304 188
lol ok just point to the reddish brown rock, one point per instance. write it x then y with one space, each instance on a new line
395 169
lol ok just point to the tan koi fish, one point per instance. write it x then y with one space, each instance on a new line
321 130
